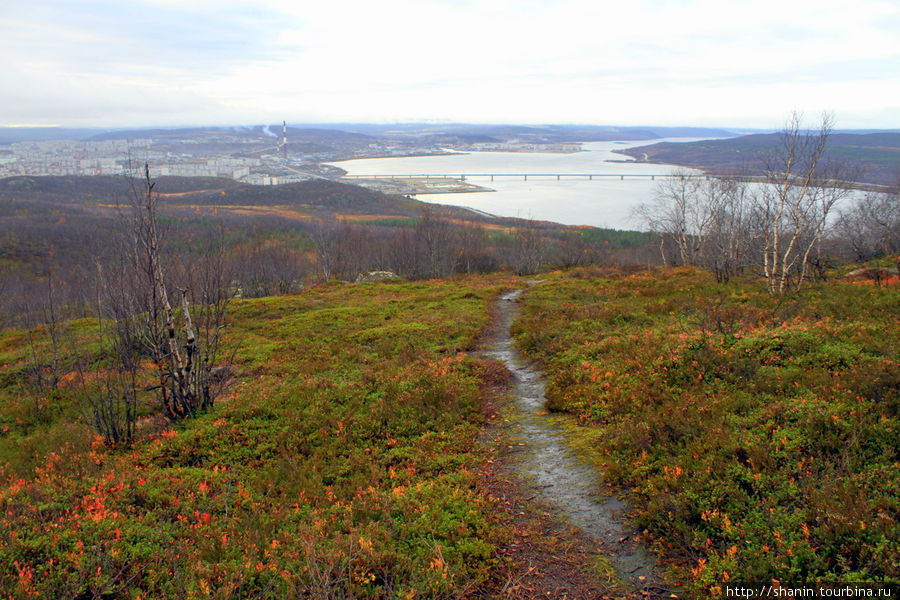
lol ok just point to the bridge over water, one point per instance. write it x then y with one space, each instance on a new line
526 176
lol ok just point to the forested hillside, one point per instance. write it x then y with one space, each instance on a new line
877 155
58 234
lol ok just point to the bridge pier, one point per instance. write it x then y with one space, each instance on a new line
557 177
653 178
492 177
622 177
526 178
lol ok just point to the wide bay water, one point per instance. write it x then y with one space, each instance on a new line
601 202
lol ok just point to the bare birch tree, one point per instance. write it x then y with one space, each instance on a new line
730 233
527 249
472 249
871 226
435 239
680 211
801 189
325 237
715 223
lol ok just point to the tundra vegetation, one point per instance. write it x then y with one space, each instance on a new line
757 434
339 464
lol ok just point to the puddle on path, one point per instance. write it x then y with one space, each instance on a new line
548 465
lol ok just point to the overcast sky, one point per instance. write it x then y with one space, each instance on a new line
739 63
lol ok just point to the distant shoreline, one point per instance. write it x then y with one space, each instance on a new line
413 155
418 186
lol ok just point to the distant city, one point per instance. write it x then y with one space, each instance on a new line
251 157
255 155
270 155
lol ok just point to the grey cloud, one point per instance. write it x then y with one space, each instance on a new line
125 36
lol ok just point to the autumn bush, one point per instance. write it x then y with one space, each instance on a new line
757 436
340 465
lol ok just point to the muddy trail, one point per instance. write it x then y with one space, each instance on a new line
550 473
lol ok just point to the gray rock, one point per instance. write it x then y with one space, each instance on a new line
375 276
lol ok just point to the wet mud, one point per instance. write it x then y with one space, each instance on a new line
549 469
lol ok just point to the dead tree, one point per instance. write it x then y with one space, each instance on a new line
184 366
109 389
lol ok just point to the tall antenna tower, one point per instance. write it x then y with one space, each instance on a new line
284 139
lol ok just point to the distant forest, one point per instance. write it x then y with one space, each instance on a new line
57 233
877 155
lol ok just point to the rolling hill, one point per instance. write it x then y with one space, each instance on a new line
877 154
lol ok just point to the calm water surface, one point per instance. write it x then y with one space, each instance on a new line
601 202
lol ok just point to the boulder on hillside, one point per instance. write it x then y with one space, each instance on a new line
375 276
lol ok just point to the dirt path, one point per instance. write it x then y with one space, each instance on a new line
544 470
